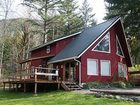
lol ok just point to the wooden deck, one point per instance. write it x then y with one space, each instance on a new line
37 75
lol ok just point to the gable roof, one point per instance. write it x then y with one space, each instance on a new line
51 42
83 41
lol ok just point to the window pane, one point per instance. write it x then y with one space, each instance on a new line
92 68
105 68
120 70
125 70
119 50
104 45
48 49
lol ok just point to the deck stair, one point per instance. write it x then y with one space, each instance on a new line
69 86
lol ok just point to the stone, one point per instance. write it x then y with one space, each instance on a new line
136 99
129 99
110 96
97 95
117 97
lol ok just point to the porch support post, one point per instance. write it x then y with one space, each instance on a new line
64 69
58 86
79 70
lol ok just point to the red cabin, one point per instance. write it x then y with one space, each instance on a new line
99 53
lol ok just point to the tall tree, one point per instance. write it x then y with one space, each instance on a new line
87 14
129 10
71 21
43 7
5 6
16 43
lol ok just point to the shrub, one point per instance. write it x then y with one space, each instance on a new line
135 68
129 84
96 85
99 85
120 84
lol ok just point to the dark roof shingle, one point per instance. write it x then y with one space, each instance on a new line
82 41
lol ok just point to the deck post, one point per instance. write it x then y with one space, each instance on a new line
24 87
9 86
16 87
58 86
4 86
35 89
13 85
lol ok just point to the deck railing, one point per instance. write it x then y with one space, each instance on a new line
34 73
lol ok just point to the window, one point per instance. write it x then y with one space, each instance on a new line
48 49
105 68
125 70
122 70
104 44
119 49
92 67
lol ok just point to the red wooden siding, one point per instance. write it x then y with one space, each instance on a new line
55 48
42 51
36 63
113 57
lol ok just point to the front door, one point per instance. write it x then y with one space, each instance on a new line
70 72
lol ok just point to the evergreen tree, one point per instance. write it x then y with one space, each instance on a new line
87 15
43 8
129 10
71 21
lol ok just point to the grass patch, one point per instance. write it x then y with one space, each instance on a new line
56 98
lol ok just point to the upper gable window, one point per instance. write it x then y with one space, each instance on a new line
103 45
119 49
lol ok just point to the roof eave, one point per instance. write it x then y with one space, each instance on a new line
38 47
130 65
62 60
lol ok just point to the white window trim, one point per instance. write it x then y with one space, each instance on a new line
48 51
90 59
100 41
125 76
117 40
119 63
123 68
109 67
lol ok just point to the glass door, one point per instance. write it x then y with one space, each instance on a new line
70 72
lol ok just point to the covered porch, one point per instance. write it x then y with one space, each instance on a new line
69 71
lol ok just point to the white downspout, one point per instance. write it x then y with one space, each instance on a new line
79 71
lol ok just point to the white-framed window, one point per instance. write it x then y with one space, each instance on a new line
48 49
122 70
105 68
119 48
92 67
103 45
125 70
